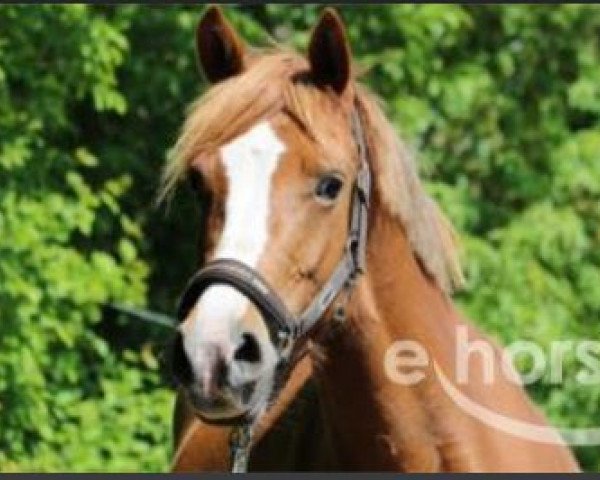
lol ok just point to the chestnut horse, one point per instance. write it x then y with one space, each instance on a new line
272 148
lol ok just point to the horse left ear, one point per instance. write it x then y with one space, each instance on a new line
329 52
220 50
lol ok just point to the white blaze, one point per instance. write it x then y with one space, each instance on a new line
250 161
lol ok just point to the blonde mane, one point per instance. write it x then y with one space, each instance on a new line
273 83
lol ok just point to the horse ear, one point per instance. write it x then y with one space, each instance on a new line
220 50
329 52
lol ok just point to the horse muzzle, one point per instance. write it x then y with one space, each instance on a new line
218 385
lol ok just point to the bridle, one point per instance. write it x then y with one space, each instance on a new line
284 327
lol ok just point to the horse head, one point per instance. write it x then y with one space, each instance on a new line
273 146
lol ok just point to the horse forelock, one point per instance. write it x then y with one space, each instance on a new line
277 81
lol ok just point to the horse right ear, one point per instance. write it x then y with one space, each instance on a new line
329 52
220 50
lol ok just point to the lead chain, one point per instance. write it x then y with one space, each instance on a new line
240 448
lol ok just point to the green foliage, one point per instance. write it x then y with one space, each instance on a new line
502 103
67 246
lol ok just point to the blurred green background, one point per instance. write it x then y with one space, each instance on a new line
502 103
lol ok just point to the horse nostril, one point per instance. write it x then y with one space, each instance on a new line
221 371
249 350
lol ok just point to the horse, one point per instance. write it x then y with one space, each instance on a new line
277 147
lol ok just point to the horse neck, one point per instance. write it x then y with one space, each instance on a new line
394 300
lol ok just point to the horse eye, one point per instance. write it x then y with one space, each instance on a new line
328 188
